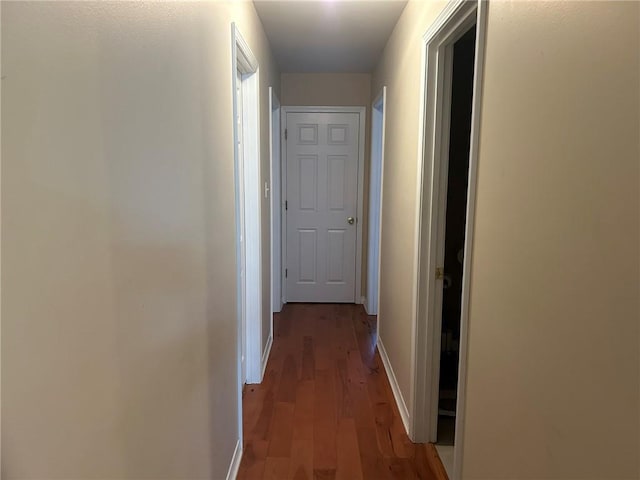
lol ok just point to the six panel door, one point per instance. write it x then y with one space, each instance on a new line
321 195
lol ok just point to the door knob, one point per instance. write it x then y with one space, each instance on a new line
351 220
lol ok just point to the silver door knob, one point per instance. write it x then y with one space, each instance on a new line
351 220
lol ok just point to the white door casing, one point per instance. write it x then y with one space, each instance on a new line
241 230
376 168
322 177
246 132
454 20
276 202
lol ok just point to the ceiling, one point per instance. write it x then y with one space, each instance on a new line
328 35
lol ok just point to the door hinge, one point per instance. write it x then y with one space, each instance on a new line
286 133
439 273
286 273
286 205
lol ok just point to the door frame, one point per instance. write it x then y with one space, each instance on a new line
276 201
361 111
249 199
455 19
374 236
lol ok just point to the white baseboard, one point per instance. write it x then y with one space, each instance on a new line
235 462
395 388
265 356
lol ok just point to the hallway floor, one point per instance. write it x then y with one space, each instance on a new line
325 409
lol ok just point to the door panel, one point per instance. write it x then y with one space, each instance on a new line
336 173
308 182
335 259
308 243
322 193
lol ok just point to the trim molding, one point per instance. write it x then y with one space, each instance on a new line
232 473
275 198
455 18
283 199
474 147
442 19
248 202
266 354
376 182
395 388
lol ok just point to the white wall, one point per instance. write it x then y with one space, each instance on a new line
118 302
554 314
552 387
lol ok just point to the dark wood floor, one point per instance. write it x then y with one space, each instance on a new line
325 409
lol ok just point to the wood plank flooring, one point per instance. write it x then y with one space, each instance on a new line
325 409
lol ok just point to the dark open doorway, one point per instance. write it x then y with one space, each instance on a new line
456 209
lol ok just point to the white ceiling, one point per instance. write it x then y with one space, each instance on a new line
328 35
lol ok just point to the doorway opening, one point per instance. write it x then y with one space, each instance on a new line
376 168
276 205
460 106
453 59
246 129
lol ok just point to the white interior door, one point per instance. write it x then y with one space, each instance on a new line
322 194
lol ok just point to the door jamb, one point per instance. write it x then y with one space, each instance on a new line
274 190
361 111
283 203
243 60
375 199
456 18
275 147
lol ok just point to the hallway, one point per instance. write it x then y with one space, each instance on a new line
325 409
